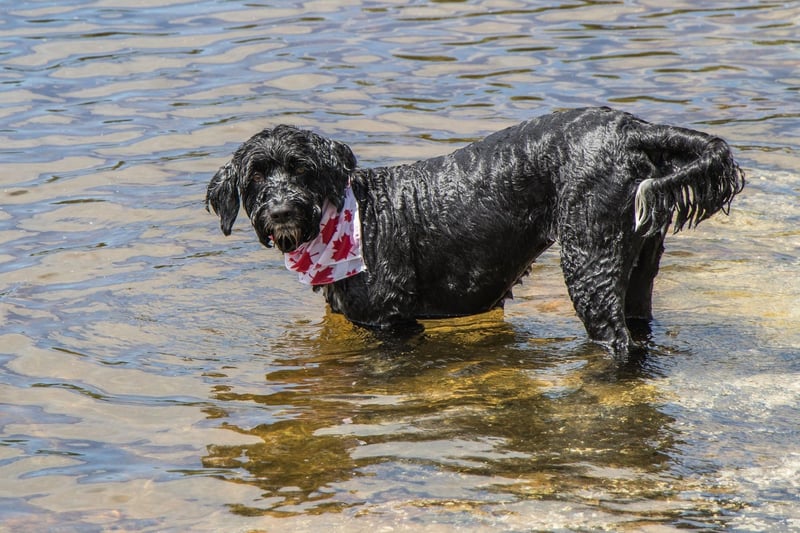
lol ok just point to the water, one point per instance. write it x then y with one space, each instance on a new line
156 375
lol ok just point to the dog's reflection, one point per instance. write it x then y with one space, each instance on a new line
475 397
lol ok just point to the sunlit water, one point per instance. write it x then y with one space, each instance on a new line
155 375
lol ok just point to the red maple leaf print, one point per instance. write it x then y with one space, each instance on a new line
348 215
303 263
329 229
342 247
323 277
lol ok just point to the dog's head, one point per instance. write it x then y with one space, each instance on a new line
281 176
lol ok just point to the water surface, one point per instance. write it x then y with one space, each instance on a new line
155 375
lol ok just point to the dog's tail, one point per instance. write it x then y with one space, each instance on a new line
699 177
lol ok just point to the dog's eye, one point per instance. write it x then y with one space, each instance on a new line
296 169
258 177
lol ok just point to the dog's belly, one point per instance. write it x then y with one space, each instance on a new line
454 301
474 286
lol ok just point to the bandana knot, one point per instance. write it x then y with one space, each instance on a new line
335 253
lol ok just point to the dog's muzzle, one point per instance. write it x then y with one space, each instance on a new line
287 238
285 226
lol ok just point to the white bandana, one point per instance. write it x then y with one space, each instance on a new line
336 252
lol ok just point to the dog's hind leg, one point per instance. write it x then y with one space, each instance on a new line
597 257
639 295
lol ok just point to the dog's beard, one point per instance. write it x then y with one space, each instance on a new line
286 236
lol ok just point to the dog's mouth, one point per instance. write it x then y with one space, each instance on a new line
287 237
286 234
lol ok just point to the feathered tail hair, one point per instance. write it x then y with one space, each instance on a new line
699 177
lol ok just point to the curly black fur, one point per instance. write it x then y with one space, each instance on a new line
451 235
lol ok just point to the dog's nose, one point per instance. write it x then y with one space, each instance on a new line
281 215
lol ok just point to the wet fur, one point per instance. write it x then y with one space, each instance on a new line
451 235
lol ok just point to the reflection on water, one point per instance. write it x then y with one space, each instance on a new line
155 375
523 422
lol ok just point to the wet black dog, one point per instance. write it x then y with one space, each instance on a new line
450 236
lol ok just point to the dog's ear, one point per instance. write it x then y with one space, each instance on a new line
344 162
343 157
223 196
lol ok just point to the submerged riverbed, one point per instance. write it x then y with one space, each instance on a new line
157 376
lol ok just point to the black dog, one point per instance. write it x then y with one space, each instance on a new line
450 236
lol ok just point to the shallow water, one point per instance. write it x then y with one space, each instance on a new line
158 376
